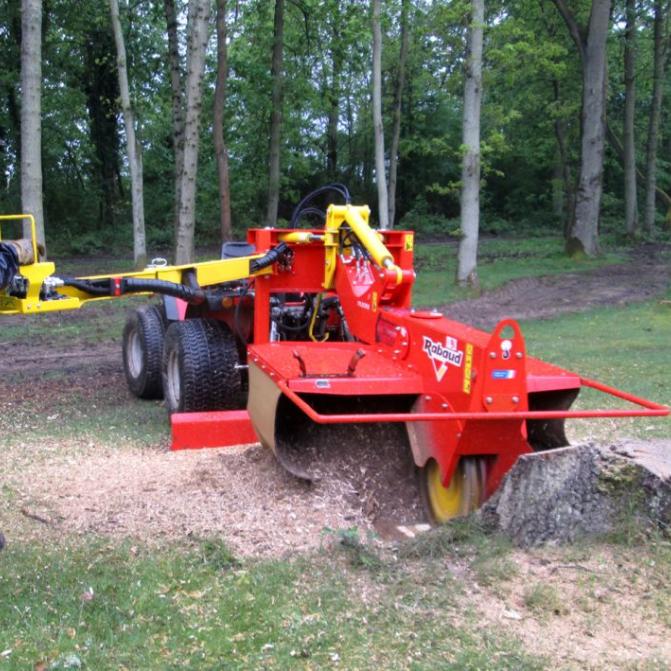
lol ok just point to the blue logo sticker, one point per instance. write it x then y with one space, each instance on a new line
507 374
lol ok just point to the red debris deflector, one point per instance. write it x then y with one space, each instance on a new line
326 369
221 428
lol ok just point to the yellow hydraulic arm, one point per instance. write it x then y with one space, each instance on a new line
38 276
35 288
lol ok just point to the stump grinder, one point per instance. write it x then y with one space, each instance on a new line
297 330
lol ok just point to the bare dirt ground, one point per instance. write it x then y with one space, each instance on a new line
117 488
643 277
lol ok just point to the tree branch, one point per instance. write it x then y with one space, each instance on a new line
576 32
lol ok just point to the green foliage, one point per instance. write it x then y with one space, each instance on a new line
531 91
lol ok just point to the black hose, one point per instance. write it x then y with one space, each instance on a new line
336 187
194 295
314 211
93 287
133 285
271 256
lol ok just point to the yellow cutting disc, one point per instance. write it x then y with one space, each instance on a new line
462 496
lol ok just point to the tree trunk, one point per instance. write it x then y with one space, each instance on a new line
198 34
567 494
133 146
558 188
31 114
655 115
398 98
662 197
591 44
276 116
467 270
378 129
564 167
630 192
334 101
177 101
219 145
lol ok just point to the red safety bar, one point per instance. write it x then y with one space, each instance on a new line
651 410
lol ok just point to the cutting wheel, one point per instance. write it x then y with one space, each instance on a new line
462 496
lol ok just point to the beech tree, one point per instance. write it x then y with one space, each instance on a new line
177 100
218 127
660 39
537 106
590 42
31 115
197 39
275 115
630 191
467 270
133 146
378 129
398 100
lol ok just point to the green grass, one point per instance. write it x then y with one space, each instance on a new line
499 260
117 606
141 424
101 321
544 600
60 405
628 348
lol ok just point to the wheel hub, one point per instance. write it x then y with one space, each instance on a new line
173 390
135 354
462 496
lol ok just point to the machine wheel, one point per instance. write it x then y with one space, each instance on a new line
464 494
199 369
143 337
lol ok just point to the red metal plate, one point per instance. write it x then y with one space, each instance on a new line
222 428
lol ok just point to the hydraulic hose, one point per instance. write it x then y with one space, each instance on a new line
194 296
133 285
302 206
118 286
271 256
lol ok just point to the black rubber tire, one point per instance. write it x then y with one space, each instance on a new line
199 369
143 338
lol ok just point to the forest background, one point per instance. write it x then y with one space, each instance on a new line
316 101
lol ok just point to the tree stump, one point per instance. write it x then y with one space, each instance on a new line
558 496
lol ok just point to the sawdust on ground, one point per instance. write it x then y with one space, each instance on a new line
240 494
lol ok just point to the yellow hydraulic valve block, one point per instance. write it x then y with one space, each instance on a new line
356 217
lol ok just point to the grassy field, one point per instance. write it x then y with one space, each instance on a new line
455 598
499 260
625 347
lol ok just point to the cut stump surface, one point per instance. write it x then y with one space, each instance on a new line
561 495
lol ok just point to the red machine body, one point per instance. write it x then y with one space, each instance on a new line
461 392
299 329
